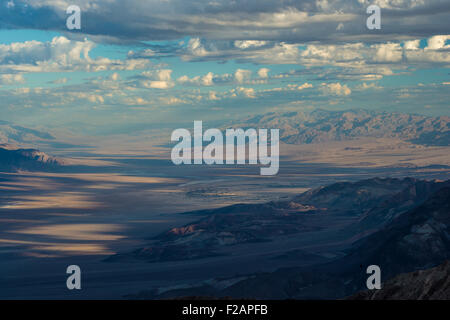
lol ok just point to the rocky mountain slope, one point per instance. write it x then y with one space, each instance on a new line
376 201
428 284
417 238
324 126
227 226
368 204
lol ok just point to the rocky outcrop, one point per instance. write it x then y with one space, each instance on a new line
14 159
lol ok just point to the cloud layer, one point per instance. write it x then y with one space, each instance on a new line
259 20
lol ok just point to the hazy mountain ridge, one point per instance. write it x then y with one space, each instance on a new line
324 126
14 134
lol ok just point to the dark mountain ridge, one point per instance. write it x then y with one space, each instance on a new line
14 159
428 284
418 239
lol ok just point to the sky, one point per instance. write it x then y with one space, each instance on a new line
137 64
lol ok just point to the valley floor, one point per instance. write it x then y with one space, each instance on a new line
83 214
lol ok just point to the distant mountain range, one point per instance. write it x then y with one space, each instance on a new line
308 127
324 126
400 225
295 128
16 135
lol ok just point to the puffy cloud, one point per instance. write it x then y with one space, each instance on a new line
213 95
59 54
356 60
245 44
242 75
412 45
372 62
171 100
11 79
196 48
158 79
185 79
156 84
364 86
388 52
161 75
135 101
263 73
95 98
438 42
267 52
208 79
247 92
359 55
436 52
306 85
336 89
115 76
146 53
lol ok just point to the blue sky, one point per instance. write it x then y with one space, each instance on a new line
138 63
